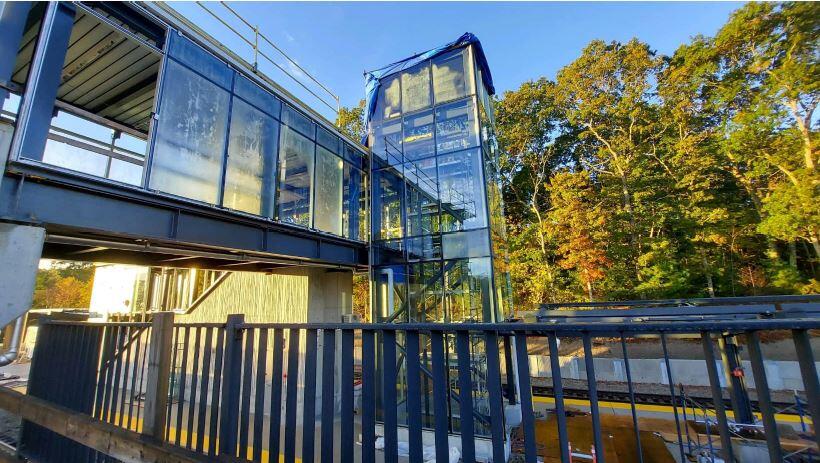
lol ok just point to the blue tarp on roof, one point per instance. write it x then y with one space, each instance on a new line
373 78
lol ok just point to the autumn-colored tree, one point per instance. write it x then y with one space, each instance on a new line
64 285
351 121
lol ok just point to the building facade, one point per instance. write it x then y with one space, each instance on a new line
438 249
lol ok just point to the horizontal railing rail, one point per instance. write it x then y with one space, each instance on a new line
337 392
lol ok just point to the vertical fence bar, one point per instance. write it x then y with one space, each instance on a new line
635 426
808 370
125 367
465 396
290 398
275 396
173 380
496 399
413 395
216 392
440 395
189 437
525 396
510 371
247 387
309 404
328 390
368 391
158 374
103 372
558 394
391 443
122 336
134 372
183 377
763 397
592 386
203 395
229 404
717 396
347 425
259 400
672 395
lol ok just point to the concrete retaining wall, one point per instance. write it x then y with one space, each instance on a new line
782 375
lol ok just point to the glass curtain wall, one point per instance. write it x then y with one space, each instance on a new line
223 140
430 199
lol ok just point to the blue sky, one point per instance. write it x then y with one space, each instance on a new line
338 41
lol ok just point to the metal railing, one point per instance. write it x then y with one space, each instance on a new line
336 392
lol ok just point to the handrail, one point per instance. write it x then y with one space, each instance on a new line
257 52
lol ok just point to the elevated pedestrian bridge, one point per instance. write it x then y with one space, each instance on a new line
132 137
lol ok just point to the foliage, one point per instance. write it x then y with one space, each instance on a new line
351 121
636 175
64 285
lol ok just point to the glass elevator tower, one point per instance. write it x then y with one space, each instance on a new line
439 249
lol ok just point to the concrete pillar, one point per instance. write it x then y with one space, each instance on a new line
330 295
20 249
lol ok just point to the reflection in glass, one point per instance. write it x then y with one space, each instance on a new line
418 136
425 285
422 197
190 138
125 172
328 200
467 291
295 178
256 96
327 139
461 186
390 291
456 127
388 200
389 99
415 88
386 141
251 160
472 243
354 209
296 120
452 76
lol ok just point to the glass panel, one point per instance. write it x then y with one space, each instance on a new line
125 172
251 160
354 218
415 89
422 197
388 199
71 157
461 186
467 292
296 120
328 201
473 243
456 127
425 285
190 138
195 57
386 141
256 96
327 139
389 98
295 178
452 76
418 136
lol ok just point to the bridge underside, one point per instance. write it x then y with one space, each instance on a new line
93 220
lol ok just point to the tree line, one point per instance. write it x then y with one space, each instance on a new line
635 175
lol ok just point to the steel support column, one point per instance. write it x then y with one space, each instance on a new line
37 106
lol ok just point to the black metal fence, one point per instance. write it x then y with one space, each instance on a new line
343 392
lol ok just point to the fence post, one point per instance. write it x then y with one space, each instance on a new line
231 371
159 373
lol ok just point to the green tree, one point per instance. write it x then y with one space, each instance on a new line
351 121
